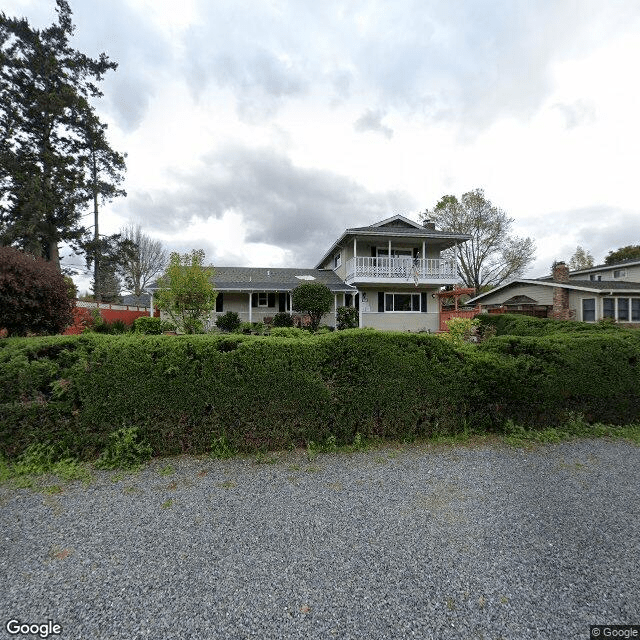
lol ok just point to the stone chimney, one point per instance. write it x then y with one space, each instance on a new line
560 272
560 309
427 224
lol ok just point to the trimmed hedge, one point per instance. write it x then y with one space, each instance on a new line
263 393
521 325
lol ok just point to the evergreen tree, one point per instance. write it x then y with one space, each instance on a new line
53 153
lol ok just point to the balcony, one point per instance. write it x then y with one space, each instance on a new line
401 270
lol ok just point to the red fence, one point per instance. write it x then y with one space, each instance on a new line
456 313
109 312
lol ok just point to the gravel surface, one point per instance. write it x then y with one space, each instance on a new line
486 542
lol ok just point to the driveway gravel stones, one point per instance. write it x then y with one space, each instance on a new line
480 542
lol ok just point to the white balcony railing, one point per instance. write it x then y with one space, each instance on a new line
400 268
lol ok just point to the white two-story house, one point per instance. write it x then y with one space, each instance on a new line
389 271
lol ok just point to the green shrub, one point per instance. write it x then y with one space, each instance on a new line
229 321
147 325
125 450
152 326
520 325
347 318
295 387
282 319
245 327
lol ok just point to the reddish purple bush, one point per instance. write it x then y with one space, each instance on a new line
34 295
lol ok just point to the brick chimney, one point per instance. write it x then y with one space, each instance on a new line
427 224
560 309
560 272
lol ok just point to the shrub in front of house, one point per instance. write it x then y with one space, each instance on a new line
256 393
229 321
282 319
347 318
521 325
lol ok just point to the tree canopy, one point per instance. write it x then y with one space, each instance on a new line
54 157
34 296
313 298
581 259
144 262
624 253
186 291
492 255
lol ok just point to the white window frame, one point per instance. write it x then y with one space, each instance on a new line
337 260
595 309
402 293
619 273
266 298
616 308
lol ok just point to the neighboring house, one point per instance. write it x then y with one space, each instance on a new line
589 295
390 271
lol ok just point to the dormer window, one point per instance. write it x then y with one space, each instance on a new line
337 259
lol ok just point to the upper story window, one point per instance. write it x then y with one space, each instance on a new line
619 273
337 259
595 277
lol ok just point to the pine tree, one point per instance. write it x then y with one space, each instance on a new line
49 135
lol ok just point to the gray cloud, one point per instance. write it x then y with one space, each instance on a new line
372 121
298 209
465 62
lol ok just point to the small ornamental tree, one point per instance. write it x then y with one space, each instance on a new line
186 292
313 298
34 296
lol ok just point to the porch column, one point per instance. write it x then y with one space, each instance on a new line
360 309
250 313
389 254
424 259
151 304
335 310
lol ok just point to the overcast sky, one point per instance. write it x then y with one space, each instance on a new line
260 130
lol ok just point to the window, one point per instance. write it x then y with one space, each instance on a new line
635 309
609 308
589 309
337 260
619 273
402 302
219 302
348 300
623 309
595 278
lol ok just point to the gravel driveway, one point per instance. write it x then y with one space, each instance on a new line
485 542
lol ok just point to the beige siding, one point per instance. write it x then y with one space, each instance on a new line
390 321
632 274
542 295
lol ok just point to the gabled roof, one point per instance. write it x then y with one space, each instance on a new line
577 285
630 262
393 227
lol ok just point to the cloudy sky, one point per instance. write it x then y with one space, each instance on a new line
259 130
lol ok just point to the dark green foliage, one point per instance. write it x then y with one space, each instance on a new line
313 298
282 319
235 392
34 295
521 325
54 158
152 326
347 318
125 450
630 252
147 325
229 321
